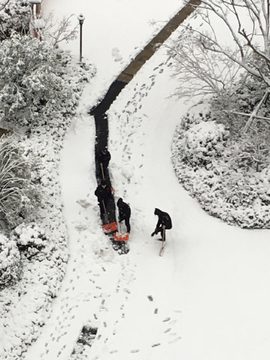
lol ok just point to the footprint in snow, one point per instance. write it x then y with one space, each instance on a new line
134 351
167 319
175 340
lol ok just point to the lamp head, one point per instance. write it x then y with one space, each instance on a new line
81 19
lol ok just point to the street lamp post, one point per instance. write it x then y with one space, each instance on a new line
81 20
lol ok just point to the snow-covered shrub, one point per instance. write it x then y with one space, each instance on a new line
250 151
19 198
44 272
14 16
203 142
30 238
227 183
10 262
194 116
247 94
35 82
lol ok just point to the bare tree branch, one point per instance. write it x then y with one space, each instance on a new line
247 21
58 32
2 6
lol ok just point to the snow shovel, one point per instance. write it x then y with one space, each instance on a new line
119 236
108 227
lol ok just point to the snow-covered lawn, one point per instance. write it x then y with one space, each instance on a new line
208 296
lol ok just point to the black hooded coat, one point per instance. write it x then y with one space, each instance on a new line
163 219
124 212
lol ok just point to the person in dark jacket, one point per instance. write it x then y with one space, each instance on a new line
124 213
104 194
103 159
164 222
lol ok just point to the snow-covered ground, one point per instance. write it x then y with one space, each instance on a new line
208 296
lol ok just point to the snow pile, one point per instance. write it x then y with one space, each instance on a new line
210 171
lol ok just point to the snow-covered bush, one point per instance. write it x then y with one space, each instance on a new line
247 94
204 142
44 254
198 140
14 16
19 197
10 261
226 183
30 238
35 82
250 151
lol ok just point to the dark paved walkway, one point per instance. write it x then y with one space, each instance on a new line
99 110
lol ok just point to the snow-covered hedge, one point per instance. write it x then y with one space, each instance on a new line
18 195
238 195
15 15
203 142
10 261
42 240
30 238
35 82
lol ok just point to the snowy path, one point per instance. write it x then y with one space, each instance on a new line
144 305
207 298
217 273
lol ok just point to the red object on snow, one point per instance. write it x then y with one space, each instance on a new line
121 237
109 228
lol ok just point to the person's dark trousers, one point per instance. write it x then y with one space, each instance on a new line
162 232
126 223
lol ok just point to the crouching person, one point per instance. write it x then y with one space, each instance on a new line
164 222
